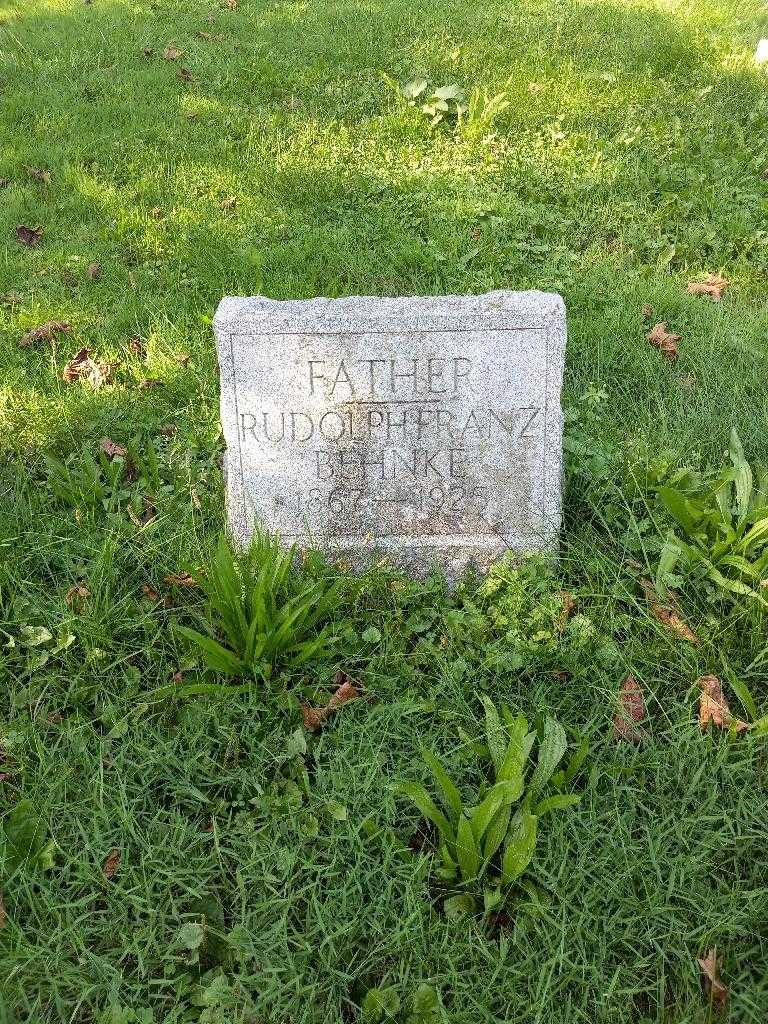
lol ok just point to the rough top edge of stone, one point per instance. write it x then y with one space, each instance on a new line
369 312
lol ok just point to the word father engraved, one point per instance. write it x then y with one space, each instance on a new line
429 427
385 401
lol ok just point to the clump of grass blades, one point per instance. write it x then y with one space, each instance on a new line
267 613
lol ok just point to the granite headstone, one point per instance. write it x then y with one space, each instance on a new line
428 429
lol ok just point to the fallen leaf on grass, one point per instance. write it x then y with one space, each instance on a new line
230 5
713 285
664 341
631 710
184 74
150 382
179 579
28 236
136 347
172 53
82 366
111 449
713 986
713 707
152 595
78 593
668 612
569 606
94 271
45 332
38 174
346 690
111 864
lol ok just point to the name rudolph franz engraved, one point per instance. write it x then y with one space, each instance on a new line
429 428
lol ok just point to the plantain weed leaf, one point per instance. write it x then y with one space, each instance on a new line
419 796
460 905
467 853
482 816
557 802
519 848
497 830
551 750
26 839
379 1005
452 797
742 474
495 732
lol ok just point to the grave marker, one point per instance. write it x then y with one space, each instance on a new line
428 428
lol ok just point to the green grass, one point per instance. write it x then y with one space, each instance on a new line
630 161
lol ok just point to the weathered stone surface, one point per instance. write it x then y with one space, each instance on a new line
428 429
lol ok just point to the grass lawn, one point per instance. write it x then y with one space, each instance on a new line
258 878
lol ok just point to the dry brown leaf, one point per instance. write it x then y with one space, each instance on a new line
172 53
150 593
177 678
713 707
230 5
647 312
713 986
38 174
150 382
111 864
568 608
179 579
184 74
45 332
713 285
94 271
76 366
668 612
664 341
111 449
136 347
347 689
83 367
631 710
77 593
28 236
